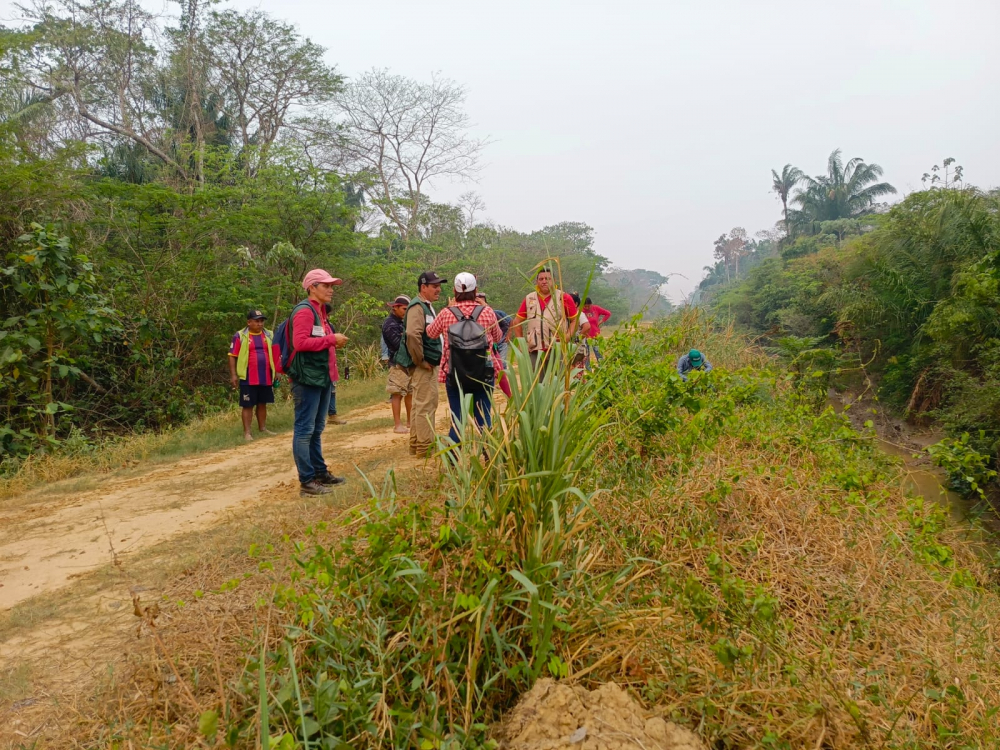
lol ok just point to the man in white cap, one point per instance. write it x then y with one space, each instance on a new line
312 368
468 367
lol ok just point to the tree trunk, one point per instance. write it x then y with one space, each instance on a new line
49 420
917 396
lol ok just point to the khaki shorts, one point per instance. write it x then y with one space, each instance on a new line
399 382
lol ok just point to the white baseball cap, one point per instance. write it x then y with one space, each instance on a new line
465 282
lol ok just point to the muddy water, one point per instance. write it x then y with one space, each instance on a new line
920 477
928 482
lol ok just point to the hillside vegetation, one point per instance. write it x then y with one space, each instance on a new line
159 176
746 562
903 299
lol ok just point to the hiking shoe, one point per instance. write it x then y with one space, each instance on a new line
334 419
313 487
330 480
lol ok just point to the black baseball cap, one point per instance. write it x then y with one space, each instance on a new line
429 277
256 315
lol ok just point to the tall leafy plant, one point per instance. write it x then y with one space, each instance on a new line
56 314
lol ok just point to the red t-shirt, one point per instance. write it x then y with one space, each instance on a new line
596 315
258 372
569 306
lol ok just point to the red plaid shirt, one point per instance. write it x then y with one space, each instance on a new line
446 318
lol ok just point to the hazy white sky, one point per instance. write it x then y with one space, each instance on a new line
658 122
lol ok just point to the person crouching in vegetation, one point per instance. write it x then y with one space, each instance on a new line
597 316
420 354
399 387
693 360
312 367
546 322
254 364
470 330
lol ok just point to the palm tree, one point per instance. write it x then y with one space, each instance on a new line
790 177
845 192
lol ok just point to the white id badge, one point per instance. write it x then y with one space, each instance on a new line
428 319
318 331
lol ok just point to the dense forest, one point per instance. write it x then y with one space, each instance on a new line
905 294
158 178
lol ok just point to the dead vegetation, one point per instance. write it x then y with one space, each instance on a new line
757 577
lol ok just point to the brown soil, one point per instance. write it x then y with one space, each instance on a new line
555 716
77 569
44 545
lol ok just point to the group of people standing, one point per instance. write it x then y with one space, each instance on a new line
462 345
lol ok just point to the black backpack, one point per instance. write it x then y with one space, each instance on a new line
470 365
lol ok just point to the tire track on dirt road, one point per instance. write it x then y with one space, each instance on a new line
48 543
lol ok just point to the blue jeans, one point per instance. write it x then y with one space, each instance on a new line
332 411
482 406
311 404
597 353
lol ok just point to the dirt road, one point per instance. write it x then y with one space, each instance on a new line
45 544
65 607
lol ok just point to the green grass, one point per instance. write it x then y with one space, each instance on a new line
741 557
212 433
224 430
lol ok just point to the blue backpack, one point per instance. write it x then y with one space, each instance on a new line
281 337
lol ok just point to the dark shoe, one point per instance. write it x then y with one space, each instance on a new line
313 487
334 419
330 480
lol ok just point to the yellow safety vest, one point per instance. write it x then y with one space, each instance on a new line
243 358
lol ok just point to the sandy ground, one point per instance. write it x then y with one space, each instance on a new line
78 548
44 545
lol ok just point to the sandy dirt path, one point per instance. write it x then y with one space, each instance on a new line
71 560
46 544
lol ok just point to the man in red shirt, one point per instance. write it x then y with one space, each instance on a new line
597 316
545 322
254 362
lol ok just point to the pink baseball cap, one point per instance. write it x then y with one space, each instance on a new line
319 276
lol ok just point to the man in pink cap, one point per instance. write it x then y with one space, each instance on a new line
312 368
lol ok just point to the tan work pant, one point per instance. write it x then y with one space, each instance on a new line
425 404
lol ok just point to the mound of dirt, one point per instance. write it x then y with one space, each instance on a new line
553 716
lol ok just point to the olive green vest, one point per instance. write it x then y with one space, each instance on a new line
308 368
432 347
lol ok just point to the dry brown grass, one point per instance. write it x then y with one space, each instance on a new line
206 615
871 643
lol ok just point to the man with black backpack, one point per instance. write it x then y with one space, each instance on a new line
310 347
467 363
